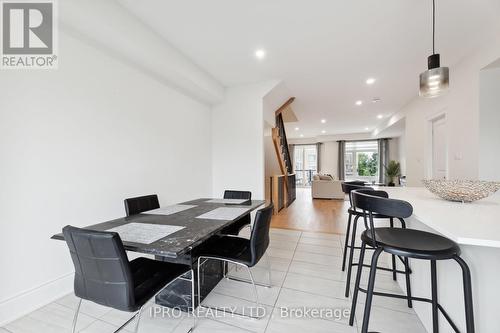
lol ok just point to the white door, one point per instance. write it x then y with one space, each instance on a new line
439 149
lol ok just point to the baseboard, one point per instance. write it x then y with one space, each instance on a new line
20 305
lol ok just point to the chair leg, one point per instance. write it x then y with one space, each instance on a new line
469 308
254 288
346 241
394 276
356 285
435 315
408 284
75 318
268 259
351 256
198 280
193 304
369 291
138 318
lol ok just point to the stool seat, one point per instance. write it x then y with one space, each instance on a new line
413 243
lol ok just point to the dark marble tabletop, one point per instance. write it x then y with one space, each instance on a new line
195 232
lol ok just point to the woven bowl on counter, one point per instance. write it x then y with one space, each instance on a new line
461 190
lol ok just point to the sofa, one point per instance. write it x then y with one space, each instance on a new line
326 187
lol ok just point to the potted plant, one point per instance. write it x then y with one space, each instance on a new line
392 170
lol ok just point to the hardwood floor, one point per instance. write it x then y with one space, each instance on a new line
316 215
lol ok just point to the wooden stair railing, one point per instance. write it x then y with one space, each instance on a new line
283 152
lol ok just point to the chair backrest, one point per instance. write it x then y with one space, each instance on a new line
232 194
102 270
141 204
380 204
347 188
259 239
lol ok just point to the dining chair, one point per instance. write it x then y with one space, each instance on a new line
245 221
104 275
141 204
241 252
408 243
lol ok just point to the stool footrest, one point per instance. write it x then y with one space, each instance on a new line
418 299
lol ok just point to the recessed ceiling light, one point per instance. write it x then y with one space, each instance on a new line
380 116
296 128
376 99
260 54
323 131
302 135
359 103
370 81
367 129
323 121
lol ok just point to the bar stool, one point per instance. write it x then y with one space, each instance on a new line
350 238
407 243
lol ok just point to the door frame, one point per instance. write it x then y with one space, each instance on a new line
430 120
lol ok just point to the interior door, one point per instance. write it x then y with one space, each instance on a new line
439 149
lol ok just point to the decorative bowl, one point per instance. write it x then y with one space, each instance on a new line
461 190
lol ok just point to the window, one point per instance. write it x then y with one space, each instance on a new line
361 160
305 163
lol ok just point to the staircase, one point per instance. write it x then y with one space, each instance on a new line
284 159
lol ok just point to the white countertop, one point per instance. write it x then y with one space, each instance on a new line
476 223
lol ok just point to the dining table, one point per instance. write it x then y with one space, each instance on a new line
173 234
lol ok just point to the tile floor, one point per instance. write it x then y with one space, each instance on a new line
305 273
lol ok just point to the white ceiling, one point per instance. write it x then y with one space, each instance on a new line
323 49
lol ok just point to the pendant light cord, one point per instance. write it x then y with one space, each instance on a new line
433 26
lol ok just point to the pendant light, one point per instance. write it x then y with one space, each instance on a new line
434 81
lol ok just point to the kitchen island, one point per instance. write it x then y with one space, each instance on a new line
476 228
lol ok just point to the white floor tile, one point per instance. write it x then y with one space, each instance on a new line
100 327
331 251
87 307
315 285
295 299
320 235
244 290
284 245
320 242
260 275
320 259
280 324
388 321
285 232
330 272
208 326
280 253
277 264
240 306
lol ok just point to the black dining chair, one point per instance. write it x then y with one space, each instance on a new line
141 204
350 238
104 275
245 221
408 243
241 252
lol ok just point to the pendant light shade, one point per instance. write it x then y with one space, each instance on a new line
436 79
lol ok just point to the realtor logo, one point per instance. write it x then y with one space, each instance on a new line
28 34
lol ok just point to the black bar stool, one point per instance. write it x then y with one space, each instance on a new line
350 237
407 243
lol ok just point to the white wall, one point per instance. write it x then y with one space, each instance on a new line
489 124
461 105
238 140
74 143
